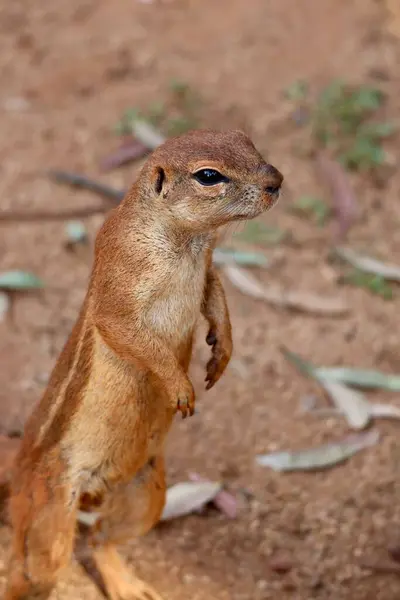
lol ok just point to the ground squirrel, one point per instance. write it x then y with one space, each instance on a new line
95 441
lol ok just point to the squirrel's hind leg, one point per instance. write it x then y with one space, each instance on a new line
128 511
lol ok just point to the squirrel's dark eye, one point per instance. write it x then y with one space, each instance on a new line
209 177
273 190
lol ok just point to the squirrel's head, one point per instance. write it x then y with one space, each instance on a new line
206 179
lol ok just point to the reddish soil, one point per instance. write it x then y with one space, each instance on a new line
69 69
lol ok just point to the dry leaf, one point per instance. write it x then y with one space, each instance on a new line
375 409
309 404
363 378
226 256
301 301
188 497
379 410
245 282
320 457
18 281
350 403
224 501
369 265
147 134
4 305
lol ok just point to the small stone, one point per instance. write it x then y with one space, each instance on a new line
281 563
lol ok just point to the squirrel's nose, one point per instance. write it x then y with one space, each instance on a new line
274 179
273 190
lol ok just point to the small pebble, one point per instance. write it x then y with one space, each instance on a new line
281 563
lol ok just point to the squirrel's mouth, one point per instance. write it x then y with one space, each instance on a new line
271 200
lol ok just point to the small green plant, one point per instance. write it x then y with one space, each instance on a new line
374 283
178 125
297 91
179 114
124 125
342 122
258 233
156 113
344 119
186 104
312 207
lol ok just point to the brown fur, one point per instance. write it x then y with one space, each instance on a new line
95 441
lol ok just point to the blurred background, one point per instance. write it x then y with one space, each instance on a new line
89 87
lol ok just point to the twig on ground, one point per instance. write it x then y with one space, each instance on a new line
109 193
28 217
112 195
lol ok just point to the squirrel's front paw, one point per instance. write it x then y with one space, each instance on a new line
221 354
185 399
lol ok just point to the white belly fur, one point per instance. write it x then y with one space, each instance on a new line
175 313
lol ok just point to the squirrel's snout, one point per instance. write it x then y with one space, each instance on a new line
273 180
273 176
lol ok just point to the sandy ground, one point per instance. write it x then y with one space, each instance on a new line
68 70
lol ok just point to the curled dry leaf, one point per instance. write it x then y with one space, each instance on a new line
4 305
188 497
343 199
363 378
19 280
147 134
375 409
350 403
300 301
369 265
320 457
223 500
226 256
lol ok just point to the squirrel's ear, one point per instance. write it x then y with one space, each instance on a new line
159 178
